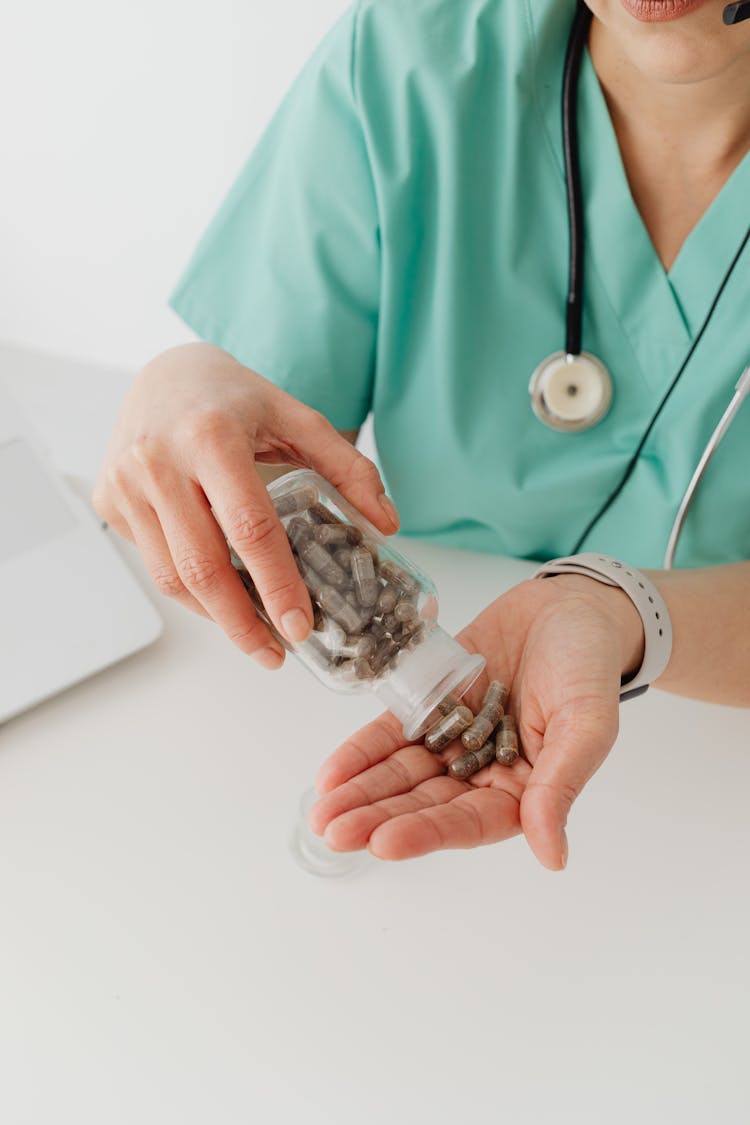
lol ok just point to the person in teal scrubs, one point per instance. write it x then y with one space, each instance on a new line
397 244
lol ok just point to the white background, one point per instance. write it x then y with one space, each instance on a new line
122 127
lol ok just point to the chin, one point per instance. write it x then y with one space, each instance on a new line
692 48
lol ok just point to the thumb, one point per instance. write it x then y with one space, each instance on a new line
354 475
574 747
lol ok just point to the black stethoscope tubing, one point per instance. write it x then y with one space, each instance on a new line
572 72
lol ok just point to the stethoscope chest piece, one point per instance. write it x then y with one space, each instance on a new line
570 393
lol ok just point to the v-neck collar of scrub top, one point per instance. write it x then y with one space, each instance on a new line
660 312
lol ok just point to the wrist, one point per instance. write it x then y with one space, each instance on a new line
627 625
648 603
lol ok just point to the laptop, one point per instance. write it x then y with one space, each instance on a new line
69 606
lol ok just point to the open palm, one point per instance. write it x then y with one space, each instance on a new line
557 645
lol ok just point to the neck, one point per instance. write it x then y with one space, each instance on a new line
681 132
707 118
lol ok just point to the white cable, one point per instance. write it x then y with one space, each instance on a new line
740 391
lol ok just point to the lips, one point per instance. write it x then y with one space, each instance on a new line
659 11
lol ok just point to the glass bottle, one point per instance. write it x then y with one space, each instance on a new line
376 625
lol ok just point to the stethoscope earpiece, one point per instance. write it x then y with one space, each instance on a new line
570 393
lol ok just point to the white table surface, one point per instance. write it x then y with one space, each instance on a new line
163 960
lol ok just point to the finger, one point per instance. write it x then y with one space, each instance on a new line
348 470
372 744
110 513
575 745
473 818
239 498
119 524
401 772
351 830
200 561
149 539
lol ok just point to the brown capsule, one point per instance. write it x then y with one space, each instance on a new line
298 532
377 628
372 547
311 578
387 600
477 734
384 653
448 729
448 704
318 558
330 534
415 637
334 637
506 741
488 716
354 536
320 514
471 761
390 622
355 670
397 576
344 558
366 646
405 612
363 573
493 704
399 637
298 501
355 645
335 604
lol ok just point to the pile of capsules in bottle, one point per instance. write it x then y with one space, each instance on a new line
365 608
486 737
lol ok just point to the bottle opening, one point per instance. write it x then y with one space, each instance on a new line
422 677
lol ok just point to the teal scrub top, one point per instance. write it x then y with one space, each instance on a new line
398 243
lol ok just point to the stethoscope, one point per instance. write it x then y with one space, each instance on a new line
571 390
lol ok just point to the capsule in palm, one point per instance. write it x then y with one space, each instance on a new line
448 729
506 741
363 573
448 704
488 716
471 761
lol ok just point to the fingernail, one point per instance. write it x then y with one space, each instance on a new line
296 625
269 658
564 851
390 509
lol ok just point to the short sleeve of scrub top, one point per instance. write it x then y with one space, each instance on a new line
286 278
398 242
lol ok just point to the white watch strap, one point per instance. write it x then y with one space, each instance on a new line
657 625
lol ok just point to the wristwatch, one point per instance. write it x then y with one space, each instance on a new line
657 626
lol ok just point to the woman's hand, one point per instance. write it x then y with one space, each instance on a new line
180 469
561 645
